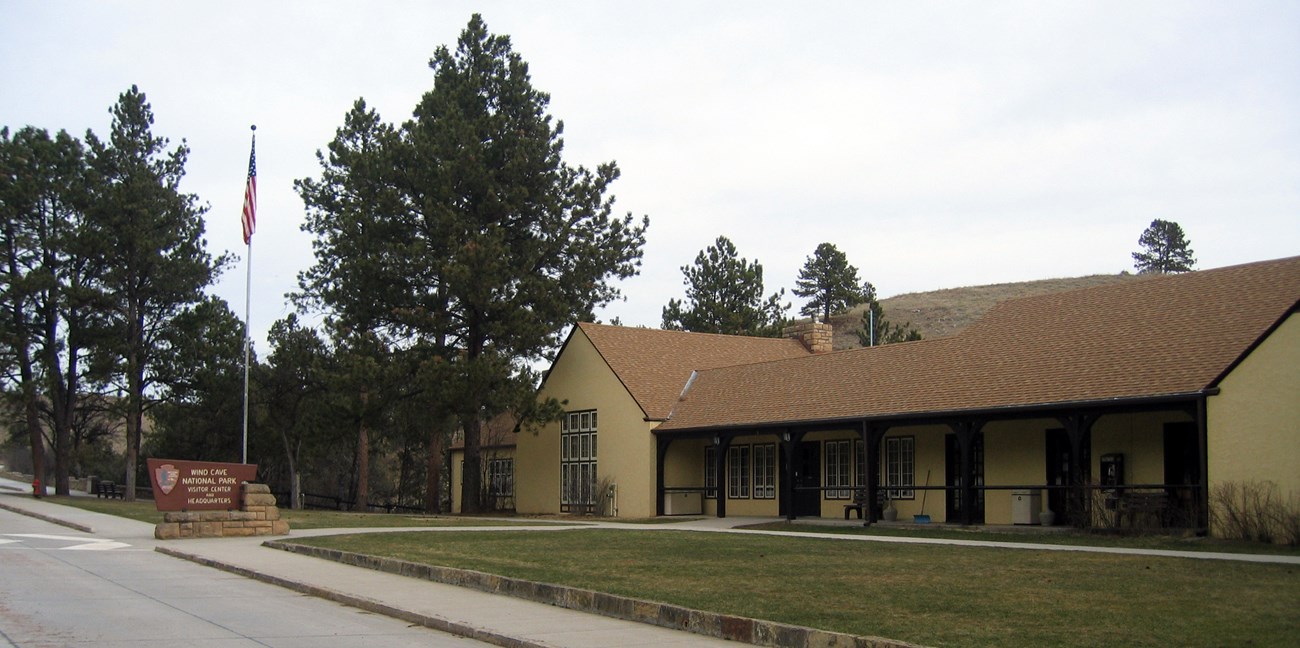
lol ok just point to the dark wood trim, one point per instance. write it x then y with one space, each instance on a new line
722 443
873 434
661 455
1203 452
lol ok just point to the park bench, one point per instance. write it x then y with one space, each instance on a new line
108 489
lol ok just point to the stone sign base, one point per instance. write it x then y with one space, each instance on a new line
258 515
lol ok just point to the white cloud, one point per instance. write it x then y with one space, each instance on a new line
937 144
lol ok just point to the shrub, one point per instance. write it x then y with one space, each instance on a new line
1256 511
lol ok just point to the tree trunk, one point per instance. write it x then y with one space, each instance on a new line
433 471
62 400
295 486
134 396
27 375
470 424
34 430
363 458
471 482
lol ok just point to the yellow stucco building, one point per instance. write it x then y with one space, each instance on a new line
1119 404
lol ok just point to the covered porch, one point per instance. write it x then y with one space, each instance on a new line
1118 464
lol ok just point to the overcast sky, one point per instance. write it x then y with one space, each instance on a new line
937 144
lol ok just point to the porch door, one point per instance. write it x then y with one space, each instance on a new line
807 473
1182 468
952 468
1058 473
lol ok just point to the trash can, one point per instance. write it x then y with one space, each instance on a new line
1025 505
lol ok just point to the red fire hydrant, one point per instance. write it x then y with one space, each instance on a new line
36 487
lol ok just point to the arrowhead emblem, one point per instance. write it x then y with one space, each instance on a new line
167 476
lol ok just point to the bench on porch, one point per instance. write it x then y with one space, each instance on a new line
1143 509
859 502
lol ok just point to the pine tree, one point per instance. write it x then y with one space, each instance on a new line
480 241
151 241
1164 249
724 294
830 283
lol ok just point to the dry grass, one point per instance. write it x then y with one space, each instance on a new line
933 595
940 313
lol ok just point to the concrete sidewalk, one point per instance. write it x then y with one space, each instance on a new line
497 619
500 620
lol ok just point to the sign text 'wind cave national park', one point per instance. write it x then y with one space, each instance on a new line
198 485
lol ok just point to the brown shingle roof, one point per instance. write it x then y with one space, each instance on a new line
654 364
1159 336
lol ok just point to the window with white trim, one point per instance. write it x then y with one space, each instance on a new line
501 477
577 459
765 471
900 461
738 472
711 472
838 470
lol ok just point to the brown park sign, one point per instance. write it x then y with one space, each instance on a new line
198 485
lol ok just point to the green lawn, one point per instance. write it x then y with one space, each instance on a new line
932 595
1037 536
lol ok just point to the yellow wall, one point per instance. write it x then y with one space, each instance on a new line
1015 454
1254 422
625 446
1140 438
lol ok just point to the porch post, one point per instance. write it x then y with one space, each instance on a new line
722 443
872 435
1203 459
661 452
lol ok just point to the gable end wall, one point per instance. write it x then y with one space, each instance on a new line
1254 421
625 448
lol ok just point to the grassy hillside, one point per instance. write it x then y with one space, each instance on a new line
940 313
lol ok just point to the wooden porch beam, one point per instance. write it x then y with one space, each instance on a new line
723 443
661 455
872 436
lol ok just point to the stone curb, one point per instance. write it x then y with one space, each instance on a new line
362 603
732 628
46 518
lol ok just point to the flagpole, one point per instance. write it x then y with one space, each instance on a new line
248 288
249 220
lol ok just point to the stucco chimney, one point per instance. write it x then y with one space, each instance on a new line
816 336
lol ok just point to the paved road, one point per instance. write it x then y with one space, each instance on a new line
60 587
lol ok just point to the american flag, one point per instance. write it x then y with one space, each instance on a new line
250 195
